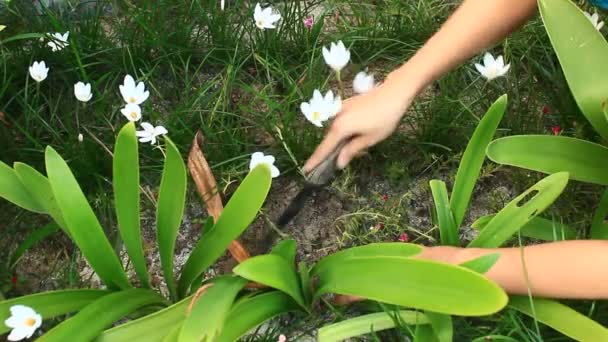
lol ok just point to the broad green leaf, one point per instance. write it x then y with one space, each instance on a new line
13 191
582 51
305 283
51 304
173 334
495 338
150 328
170 209
425 333
82 223
583 160
448 230
561 318
253 311
521 210
274 271
482 264
287 250
210 310
387 249
32 239
100 314
40 188
599 224
369 323
537 228
472 159
414 283
125 171
442 326
240 211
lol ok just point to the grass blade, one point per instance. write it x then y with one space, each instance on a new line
448 230
170 209
13 191
537 228
125 170
31 240
82 223
599 224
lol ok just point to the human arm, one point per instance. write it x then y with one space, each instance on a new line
474 26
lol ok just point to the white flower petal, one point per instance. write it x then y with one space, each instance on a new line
274 171
488 59
19 334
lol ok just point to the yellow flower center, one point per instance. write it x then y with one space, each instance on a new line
315 116
30 322
133 115
132 99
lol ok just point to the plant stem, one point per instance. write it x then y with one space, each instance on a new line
340 84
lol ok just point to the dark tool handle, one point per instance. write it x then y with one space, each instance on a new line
324 172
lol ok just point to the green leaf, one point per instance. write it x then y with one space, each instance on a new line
150 328
582 51
599 224
240 211
472 159
561 318
448 230
210 311
170 209
40 188
442 326
22 37
414 283
482 264
425 333
100 314
125 172
13 191
82 223
585 161
287 250
51 304
387 249
521 210
31 240
367 324
495 338
253 311
537 228
173 334
274 271
305 283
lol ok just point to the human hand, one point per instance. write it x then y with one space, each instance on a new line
364 119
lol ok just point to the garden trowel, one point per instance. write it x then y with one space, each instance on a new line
316 179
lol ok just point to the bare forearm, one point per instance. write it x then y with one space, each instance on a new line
474 26
567 269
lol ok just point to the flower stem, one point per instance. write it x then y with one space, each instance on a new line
340 84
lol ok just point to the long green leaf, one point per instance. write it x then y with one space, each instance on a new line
472 159
520 211
448 230
170 209
482 264
583 160
537 228
82 223
599 224
367 324
40 188
582 52
388 249
13 191
253 311
415 283
286 249
442 326
561 318
51 304
274 271
425 333
240 211
305 282
125 172
209 313
92 319
31 240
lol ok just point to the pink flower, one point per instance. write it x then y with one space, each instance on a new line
556 130
14 280
404 238
309 21
282 338
546 110
385 197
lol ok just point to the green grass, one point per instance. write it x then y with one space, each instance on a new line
212 70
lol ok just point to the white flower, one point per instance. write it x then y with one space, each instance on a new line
83 92
363 82
80 137
132 112
39 71
150 133
337 56
259 158
58 41
133 94
320 109
595 20
2 27
24 321
492 68
264 18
